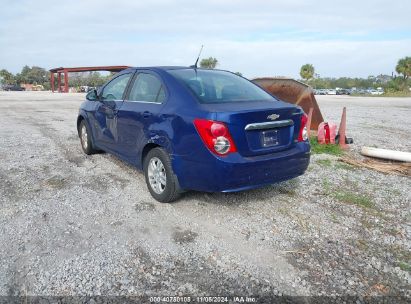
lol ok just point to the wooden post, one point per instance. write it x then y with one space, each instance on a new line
52 81
66 88
342 130
59 82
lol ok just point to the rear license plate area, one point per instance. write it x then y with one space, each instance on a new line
269 138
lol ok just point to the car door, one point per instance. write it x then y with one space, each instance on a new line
139 116
111 98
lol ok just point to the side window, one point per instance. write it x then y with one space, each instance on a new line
114 90
147 88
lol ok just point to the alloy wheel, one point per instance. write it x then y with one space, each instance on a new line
157 175
84 136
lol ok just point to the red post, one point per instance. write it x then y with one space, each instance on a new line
66 88
59 82
52 81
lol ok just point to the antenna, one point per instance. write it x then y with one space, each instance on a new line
195 64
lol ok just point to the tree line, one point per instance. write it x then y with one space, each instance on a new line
389 83
31 75
40 76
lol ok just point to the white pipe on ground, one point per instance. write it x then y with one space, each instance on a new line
386 154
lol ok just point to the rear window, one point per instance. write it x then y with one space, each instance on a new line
211 86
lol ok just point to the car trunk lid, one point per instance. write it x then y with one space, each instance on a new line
260 127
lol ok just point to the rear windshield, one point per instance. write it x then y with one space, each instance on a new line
211 86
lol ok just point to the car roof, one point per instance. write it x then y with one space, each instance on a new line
168 68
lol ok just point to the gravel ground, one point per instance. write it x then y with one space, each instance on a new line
72 224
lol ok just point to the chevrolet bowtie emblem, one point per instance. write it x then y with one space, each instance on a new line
273 116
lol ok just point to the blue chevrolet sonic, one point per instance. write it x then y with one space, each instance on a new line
195 129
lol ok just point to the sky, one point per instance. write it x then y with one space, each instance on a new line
255 37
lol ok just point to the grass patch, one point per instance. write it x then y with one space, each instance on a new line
316 148
325 162
397 94
284 211
362 244
354 198
367 225
55 182
402 256
326 186
393 193
337 165
401 253
393 231
334 218
341 165
287 191
404 266
386 94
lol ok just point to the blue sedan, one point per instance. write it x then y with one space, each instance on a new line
195 129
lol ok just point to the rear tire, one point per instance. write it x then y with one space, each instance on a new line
160 178
85 138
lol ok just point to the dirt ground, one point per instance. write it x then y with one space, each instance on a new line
72 224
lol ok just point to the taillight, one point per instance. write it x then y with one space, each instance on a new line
215 136
303 135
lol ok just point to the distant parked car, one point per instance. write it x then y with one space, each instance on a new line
343 92
92 88
376 92
12 87
320 91
37 87
361 91
195 129
331 92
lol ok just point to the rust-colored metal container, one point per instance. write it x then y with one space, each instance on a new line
293 91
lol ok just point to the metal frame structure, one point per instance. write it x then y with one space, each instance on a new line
66 71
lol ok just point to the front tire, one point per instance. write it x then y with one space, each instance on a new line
85 138
160 178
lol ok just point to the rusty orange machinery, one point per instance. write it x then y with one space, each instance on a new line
293 91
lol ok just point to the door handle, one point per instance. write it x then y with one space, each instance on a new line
146 114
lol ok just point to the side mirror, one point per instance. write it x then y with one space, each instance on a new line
109 103
92 95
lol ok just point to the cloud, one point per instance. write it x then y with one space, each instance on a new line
255 37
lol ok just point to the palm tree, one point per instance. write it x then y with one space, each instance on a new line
404 67
209 63
307 71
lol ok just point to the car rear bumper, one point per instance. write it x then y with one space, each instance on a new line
233 173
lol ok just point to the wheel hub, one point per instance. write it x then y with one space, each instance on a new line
84 136
157 175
